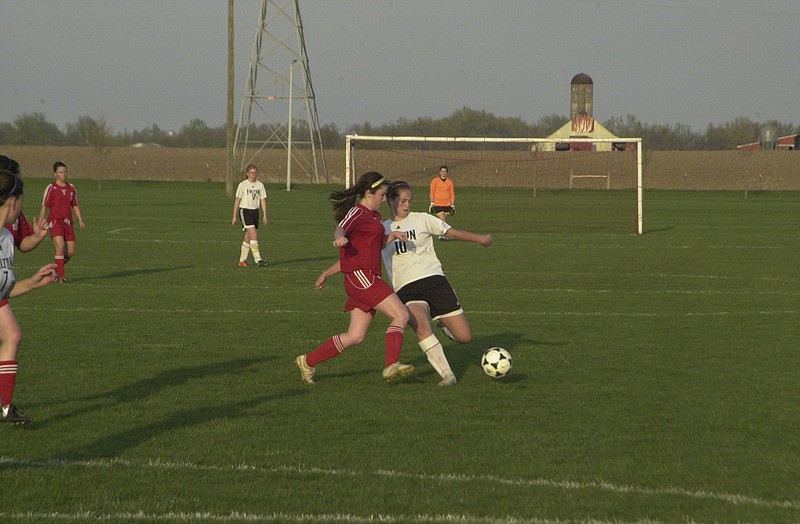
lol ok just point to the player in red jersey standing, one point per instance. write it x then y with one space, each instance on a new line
10 332
26 236
360 238
61 199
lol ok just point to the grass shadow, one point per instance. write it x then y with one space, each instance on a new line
115 444
130 273
149 387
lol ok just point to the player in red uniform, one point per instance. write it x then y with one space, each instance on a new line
10 332
360 238
26 236
62 199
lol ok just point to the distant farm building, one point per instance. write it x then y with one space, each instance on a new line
768 143
582 124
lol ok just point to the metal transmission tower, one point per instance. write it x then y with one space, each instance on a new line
279 75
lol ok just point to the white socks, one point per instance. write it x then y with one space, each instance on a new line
435 353
256 251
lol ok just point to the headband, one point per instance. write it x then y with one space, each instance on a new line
376 184
16 183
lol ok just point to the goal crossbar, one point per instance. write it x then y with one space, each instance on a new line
549 144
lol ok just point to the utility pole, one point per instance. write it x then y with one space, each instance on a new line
230 137
264 121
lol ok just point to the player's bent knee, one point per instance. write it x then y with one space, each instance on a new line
12 339
463 338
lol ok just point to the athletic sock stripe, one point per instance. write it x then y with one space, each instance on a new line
394 329
8 370
338 343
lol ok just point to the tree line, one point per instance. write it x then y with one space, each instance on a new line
34 129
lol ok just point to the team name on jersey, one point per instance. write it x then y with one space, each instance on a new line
6 263
401 247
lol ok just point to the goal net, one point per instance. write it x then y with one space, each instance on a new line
586 184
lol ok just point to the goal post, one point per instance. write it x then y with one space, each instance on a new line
605 177
573 164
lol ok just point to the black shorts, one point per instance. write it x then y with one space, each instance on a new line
435 291
435 210
248 217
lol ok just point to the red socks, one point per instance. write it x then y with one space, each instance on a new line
8 378
60 266
333 348
329 349
394 343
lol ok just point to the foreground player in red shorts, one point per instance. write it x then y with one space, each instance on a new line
61 199
360 238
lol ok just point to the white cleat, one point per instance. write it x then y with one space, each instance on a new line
448 380
306 371
397 370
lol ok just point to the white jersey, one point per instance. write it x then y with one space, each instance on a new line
407 262
250 194
7 278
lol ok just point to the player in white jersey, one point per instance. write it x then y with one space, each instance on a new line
250 195
10 331
416 274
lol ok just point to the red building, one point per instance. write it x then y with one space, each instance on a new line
784 142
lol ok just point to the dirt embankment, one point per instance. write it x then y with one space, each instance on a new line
693 170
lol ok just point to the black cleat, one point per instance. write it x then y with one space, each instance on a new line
262 263
12 416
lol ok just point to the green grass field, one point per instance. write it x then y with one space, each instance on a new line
655 377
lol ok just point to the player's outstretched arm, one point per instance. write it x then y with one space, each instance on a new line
339 238
402 236
44 276
41 228
335 268
460 234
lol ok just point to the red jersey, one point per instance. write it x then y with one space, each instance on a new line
365 235
60 200
20 229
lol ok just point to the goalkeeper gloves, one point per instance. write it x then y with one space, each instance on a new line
453 209
430 208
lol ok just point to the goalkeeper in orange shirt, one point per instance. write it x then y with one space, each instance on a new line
443 197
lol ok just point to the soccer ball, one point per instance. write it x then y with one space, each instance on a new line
496 362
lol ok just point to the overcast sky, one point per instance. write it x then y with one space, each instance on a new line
142 62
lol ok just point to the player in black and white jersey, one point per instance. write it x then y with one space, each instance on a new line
416 274
250 195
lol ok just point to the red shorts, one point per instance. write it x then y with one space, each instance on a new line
62 227
364 291
4 302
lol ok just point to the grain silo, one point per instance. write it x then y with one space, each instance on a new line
768 139
581 93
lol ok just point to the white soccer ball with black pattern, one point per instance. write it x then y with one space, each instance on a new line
496 362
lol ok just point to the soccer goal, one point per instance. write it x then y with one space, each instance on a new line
599 181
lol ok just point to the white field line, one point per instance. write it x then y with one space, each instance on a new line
599 485
299 517
528 290
634 314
